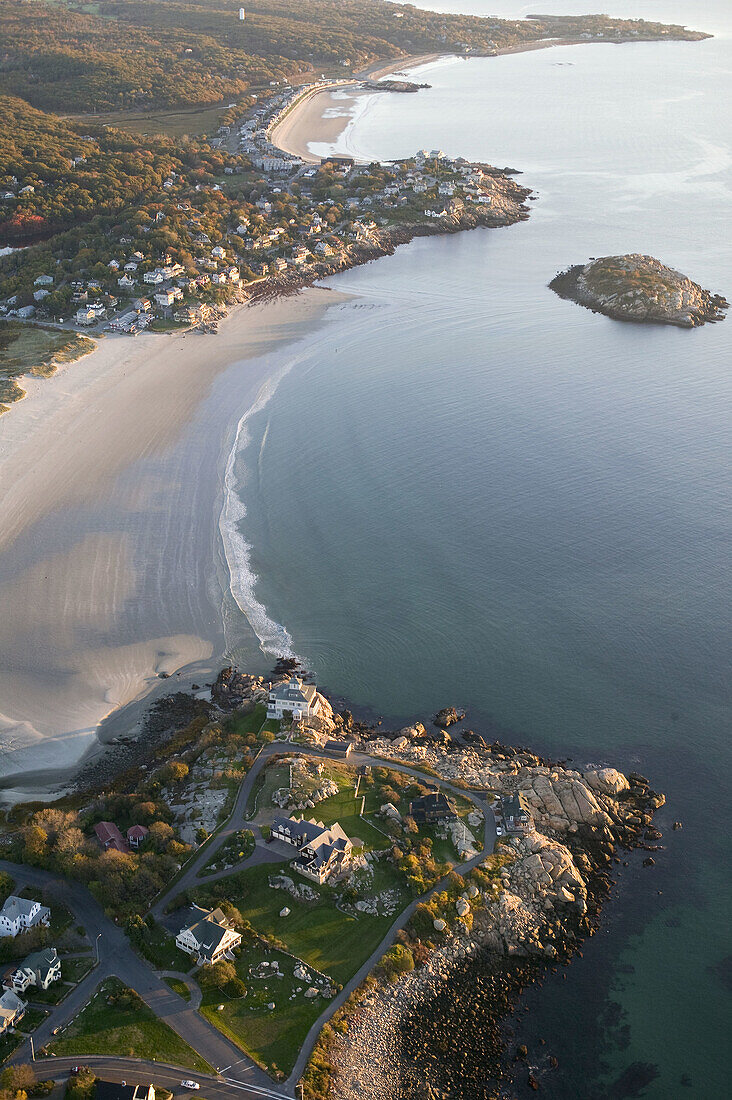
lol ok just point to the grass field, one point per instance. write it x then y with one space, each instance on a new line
271 1036
129 1030
247 723
175 123
158 947
324 937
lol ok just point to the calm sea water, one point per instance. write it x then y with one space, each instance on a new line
469 491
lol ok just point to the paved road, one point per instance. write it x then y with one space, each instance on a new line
134 1070
263 853
116 957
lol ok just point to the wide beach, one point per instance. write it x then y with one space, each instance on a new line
111 479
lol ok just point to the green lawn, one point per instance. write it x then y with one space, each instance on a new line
241 723
129 1030
158 947
320 934
31 1019
9 1043
179 987
73 970
272 1037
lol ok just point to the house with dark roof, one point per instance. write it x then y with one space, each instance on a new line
517 814
39 969
322 852
433 808
293 697
207 935
111 1090
136 835
109 836
339 748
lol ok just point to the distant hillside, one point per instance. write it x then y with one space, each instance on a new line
110 55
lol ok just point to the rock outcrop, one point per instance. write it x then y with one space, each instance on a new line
639 288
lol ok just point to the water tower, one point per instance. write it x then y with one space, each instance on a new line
242 14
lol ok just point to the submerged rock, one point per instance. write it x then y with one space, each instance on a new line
639 288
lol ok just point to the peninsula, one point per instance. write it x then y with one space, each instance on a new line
310 888
639 288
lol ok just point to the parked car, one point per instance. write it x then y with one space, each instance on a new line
190 1085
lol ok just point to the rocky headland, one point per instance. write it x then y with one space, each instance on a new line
639 288
435 1032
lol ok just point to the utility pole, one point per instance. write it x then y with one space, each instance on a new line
33 1049
363 804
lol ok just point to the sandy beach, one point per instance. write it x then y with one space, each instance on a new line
321 118
110 566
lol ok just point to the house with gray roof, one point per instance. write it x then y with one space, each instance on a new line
19 914
322 851
517 814
11 1009
39 969
207 936
295 697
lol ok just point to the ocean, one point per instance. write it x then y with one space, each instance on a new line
467 491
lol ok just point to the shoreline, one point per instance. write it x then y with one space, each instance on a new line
308 122
108 475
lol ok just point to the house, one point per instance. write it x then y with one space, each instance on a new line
432 808
208 936
142 305
219 252
136 835
125 282
11 1010
517 814
193 313
40 969
153 277
293 697
19 914
322 851
39 295
85 316
109 836
111 1090
339 748
25 312
165 298
43 280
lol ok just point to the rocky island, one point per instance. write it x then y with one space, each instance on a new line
639 288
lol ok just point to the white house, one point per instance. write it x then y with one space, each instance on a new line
153 277
300 699
40 969
19 914
208 936
11 1009
125 282
43 280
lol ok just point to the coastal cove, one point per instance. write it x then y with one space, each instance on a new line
561 493
435 482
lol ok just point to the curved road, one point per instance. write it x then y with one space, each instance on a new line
263 854
116 956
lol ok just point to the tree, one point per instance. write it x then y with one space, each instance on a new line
18 1078
217 976
35 842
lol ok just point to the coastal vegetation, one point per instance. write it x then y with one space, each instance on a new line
35 350
128 54
640 288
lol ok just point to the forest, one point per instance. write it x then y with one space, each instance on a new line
108 55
